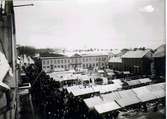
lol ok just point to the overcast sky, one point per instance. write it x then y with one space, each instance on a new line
90 23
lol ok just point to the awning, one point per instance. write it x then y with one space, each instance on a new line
4 66
4 86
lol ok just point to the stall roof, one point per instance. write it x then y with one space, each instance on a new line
66 76
91 102
83 91
71 88
107 88
117 81
129 100
107 107
133 82
157 90
124 98
111 96
96 88
144 80
144 94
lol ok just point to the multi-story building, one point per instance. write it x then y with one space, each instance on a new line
84 61
137 62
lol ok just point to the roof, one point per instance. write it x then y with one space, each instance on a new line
157 90
144 80
123 98
135 54
91 102
106 102
133 82
83 91
107 107
160 51
144 94
138 81
107 88
115 60
116 51
65 76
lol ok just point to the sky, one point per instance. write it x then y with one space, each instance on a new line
78 24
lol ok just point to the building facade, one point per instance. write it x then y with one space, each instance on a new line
73 62
137 62
115 63
159 61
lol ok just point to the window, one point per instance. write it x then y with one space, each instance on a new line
43 62
62 66
55 61
47 66
55 66
83 60
68 60
58 61
65 61
83 65
44 67
51 61
76 60
61 61
58 66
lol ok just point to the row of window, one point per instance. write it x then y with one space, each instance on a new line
68 66
61 61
